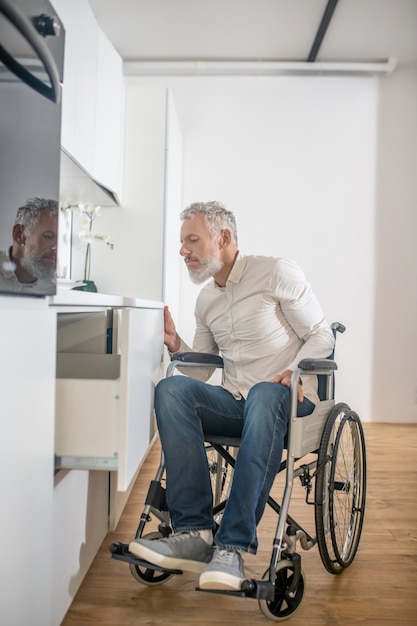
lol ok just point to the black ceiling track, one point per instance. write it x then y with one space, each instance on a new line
325 21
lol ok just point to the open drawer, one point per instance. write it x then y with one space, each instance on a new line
87 411
104 401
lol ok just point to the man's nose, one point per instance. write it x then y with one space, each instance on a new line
184 251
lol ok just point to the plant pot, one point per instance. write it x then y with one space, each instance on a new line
89 285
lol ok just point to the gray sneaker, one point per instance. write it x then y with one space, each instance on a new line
225 571
185 551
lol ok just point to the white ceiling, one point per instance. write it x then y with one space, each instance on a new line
258 30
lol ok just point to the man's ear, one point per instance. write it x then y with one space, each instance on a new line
18 233
226 238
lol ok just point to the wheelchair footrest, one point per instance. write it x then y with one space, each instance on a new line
259 589
120 552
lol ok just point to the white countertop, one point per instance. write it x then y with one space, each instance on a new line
69 299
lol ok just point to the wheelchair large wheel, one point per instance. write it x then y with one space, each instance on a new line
340 488
220 473
283 606
146 575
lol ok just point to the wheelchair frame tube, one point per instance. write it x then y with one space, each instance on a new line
278 544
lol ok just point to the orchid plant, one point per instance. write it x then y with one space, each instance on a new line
88 213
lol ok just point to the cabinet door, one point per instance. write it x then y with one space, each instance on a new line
140 339
108 143
93 97
28 341
79 96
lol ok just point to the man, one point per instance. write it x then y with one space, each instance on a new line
263 318
29 266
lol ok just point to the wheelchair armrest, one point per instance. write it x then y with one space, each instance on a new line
202 358
312 365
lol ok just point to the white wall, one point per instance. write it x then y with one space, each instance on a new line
394 385
295 160
307 165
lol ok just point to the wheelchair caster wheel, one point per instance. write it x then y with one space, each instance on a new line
283 605
145 575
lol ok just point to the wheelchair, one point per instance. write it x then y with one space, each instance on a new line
325 451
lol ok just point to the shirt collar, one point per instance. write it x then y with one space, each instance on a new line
237 269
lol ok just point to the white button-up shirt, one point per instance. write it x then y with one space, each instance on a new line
263 322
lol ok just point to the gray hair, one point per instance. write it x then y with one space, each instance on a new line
29 214
216 216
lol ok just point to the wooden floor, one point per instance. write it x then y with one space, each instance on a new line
380 587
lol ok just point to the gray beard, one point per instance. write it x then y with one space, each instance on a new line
34 266
208 269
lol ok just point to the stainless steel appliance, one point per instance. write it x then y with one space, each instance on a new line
31 74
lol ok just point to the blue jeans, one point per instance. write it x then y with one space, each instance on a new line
186 409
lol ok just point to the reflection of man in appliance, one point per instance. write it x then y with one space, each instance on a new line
29 266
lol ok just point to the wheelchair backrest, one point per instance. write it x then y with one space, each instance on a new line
336 327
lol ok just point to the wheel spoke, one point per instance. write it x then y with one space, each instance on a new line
282 606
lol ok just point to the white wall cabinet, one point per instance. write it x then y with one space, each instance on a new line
146 229
109 128
93 98
80 72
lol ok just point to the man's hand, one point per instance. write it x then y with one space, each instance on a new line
171 337
285 379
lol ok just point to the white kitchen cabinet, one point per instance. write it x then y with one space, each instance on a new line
79 96
80 524
108 143
146 231
27 382
92 101
109 352
54 522
140 344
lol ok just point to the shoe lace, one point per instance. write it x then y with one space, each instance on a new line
226 556
178 537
